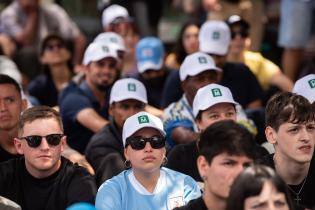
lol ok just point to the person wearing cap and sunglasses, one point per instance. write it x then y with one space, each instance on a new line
146 185
84 104
105 150
305 87
267 73
42 179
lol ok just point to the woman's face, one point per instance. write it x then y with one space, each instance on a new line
55 52
148 159
268 199
190 39
239 38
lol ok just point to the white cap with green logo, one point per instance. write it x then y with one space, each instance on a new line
128 88
141 120
98 51
306 87
210 95
195 64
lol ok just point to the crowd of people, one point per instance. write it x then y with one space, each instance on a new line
122 123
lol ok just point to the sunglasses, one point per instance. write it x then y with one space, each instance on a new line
34 140
243 34
51 47
139 142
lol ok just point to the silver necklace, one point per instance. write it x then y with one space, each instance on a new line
297 198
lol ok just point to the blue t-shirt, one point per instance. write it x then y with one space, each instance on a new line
123 192
72 100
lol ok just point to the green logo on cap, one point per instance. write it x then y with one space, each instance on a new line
216 35
216 92
312 83
202 60
105 49
113 39
132 87
143 119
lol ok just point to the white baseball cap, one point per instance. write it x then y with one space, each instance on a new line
111 13
306 87
195 64
97 51
214 37
111 38
210 95
141 120
128 88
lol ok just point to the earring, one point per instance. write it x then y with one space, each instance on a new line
127 164
165 160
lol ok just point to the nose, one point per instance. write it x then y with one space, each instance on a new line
147 147
44 144
305 135
2 105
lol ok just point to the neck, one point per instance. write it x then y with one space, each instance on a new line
61 74
39 174
99 95
6 141
236 57
147 180
293 173
213 202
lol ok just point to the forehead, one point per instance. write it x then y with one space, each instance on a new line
147 132
220 106
241 159
41 127
8 90
129 102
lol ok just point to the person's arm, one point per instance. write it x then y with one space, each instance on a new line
282 82
79 47
90 119
182 135
27 35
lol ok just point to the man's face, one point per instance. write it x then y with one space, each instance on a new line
218 112
293 142
11 106
102 73
120 111
220 174
192 83
43 160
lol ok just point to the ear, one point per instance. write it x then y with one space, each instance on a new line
63 143
271 135
18 146
24 104
198 123
126 154
202 165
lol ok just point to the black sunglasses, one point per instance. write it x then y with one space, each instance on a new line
51 47
34 140
243 34
139 142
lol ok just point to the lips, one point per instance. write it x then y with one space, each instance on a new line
44 156
305 148
149 158
5 117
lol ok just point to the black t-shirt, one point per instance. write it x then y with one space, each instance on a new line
5 155
236 76
70 184
196 204
306 195
183 158
44 90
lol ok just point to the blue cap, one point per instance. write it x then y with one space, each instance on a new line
149 54
81 206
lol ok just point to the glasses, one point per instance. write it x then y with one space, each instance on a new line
51 47
34 140
243 34
139 142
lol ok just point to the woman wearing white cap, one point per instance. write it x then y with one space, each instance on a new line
146 185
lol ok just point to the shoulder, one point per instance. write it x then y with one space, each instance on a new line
177 177
38 82
117 183
196 204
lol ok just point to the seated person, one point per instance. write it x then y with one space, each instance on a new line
225 149
43 179
259 187
84 104
105 150
146 185
290 121
267 73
